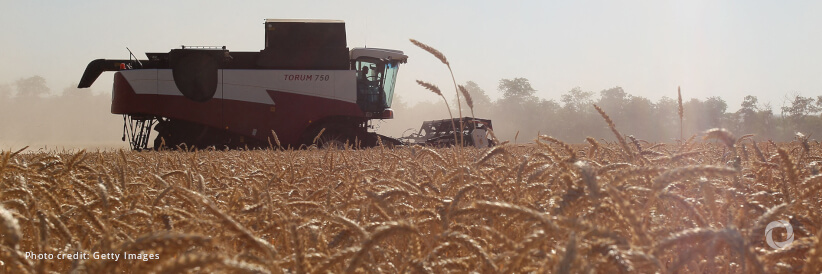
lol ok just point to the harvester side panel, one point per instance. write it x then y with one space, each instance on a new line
125 100
153 92
296 113
331 84
247 102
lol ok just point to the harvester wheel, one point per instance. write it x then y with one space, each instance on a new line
176 133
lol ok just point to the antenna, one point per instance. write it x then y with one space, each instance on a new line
130 54
366 31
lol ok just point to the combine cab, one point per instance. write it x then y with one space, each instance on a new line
305 80
440 133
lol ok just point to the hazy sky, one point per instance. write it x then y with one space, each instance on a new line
726 48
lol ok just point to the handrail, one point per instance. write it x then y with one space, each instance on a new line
203 47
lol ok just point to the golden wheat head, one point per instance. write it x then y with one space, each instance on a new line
431 50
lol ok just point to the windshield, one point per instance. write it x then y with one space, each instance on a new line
375 83
390 79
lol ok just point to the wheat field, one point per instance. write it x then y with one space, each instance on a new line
625 206
700 205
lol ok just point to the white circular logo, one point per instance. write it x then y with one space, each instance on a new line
769 234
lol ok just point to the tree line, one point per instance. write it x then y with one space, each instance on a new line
520 114
31 114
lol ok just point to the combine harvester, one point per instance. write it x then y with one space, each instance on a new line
304 81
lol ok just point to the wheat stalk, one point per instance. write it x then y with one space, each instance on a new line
680 111
619 137
442 59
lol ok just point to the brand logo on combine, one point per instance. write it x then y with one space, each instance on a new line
769 234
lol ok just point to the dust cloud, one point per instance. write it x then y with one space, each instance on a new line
33 115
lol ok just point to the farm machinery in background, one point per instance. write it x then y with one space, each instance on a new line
305 81
440 133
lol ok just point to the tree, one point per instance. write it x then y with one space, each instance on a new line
638 119
666 118
613 101
749 103
765 121
31 87
696 119
577 100
800 108
746 117
477 94
517 90
577 116
715 109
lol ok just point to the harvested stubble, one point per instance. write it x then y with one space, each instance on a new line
552 207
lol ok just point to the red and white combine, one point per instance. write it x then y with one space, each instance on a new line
305 80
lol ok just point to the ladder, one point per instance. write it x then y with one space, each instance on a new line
138 129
